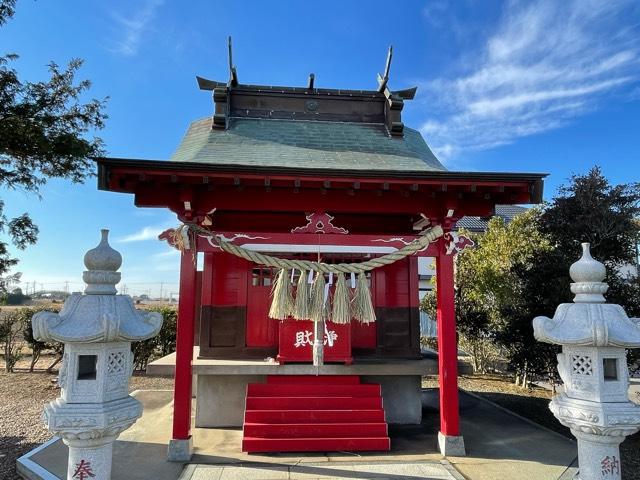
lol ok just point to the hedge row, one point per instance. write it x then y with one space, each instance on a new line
16 331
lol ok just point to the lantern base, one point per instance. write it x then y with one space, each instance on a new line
89 461
598 456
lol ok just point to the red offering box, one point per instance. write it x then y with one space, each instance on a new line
296 342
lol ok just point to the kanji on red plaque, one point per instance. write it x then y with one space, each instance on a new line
83 470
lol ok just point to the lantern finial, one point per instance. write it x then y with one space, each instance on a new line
102 263
588 273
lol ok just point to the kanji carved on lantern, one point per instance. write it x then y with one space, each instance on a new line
97 329
593 369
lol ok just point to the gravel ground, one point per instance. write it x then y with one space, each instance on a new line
533 403
22 398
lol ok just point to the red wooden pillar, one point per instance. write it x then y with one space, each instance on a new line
180 445
449 438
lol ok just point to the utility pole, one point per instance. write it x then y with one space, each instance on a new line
161 285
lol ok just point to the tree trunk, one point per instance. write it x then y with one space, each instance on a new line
35 355
55 362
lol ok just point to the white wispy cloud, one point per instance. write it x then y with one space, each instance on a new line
133 26
172 253
545 64
147 233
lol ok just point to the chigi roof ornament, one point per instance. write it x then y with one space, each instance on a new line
377 106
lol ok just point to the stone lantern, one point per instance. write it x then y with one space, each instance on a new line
97 329
593 367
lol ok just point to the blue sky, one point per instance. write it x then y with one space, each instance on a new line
503 86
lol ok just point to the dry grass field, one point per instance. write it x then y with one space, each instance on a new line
22 397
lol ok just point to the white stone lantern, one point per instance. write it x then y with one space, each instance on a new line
97 329
593 367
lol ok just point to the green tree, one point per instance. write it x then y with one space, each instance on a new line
487 282
43 135
521 270
495 290
589 209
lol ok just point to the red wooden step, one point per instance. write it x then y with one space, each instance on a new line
349 444
313 416
307 413
271 390
315 430
313 379
310 403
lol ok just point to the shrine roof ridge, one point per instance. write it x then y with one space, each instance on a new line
206 84
284 142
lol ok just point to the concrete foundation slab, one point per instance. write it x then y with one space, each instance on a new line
401 396
314 471
498 445
221 399
165 366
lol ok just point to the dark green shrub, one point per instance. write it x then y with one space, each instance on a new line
162 344
10 330
38 348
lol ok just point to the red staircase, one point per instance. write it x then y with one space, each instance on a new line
299 413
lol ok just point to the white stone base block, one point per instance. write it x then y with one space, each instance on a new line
92 463
451 446
598 456
180 450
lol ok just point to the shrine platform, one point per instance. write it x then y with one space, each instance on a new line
400 381
499 445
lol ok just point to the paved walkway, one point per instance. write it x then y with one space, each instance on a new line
324 471
499 446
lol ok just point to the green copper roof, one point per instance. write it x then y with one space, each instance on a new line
305 144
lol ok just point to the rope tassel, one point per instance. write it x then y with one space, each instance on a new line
301 307
318 307
282 297
341 312
362 306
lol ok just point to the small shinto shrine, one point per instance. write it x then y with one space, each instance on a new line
324 175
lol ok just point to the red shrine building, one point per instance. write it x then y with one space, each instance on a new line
328 175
